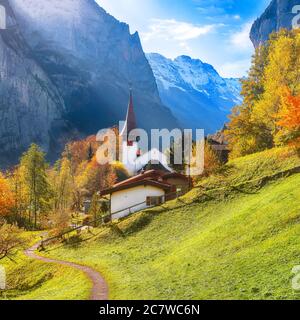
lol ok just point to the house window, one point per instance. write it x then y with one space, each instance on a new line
154 201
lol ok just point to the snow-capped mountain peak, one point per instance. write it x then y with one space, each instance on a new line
199 89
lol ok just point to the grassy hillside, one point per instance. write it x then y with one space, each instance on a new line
227 239
34 280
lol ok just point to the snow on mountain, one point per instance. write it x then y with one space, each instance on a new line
197 95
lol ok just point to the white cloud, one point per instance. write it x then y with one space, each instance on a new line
240 40
236 69
172 29
237 17
171 36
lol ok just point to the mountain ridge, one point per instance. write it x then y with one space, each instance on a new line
88 60
194 91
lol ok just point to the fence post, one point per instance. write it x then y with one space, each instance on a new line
42 246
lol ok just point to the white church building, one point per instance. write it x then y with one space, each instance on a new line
152 183
132 155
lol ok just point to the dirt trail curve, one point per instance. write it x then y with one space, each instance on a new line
100 287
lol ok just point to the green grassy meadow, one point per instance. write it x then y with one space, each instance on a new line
33 280
234 243
234 236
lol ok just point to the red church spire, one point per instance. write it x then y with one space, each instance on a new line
131 119
130 123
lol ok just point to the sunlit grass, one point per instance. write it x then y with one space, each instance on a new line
237 243
33 280
242 246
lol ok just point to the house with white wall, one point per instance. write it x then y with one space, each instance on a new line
144 191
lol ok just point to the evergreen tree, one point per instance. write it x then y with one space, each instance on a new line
177 164
90 153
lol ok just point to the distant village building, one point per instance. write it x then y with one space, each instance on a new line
219 144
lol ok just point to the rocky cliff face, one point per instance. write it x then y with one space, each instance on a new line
198 96
278 15
92 58
66 66
31 108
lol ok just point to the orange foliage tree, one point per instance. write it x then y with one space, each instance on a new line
6 197
290 118
82 150
99 177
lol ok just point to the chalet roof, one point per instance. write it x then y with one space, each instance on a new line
155 166
148 175
152 177
163 186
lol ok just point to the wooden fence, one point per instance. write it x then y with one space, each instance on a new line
108 217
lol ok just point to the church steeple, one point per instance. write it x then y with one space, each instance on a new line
130 123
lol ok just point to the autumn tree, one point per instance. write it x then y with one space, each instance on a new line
79 151
60 222
255 125
95 209
17 184
62 182
7 199
11 240
289 119
244 134
212 161
277 75
98 177
37 188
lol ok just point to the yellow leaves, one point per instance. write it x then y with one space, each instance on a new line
211 160
270 112
6 197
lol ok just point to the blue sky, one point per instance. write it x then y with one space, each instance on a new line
215 31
